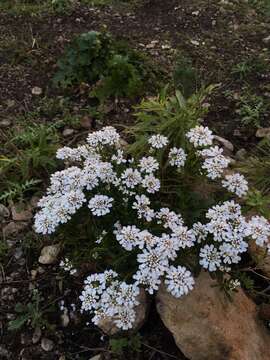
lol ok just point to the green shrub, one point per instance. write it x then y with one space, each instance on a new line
95 58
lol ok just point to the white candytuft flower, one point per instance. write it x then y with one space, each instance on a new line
142 206
131 178
107 136
236 183
213 151
100 205
258 229
200 231
119 157
177 157
210 258
66 265
151 183
128 237
215 166
179 281
200 136
108 297
158 141
168 218
148 164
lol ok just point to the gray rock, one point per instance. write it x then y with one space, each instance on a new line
65 320
13 228
47 344
241 154
266 40
263 132
226 144
36 335
18 253
21 213
68 132
96 357
36 90
4 212
49 254
4 353
5 123
261 257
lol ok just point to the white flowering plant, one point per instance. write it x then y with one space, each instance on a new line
138 222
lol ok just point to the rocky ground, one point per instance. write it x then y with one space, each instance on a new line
227 43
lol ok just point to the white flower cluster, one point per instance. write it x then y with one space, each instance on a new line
156 235
158 141
236 183
200 136
214 162
177 157
66 265
229 230
106 296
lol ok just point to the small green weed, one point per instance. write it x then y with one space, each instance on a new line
169 115
241 70
29 314
120 345
251 109
258 201
17 190
28 155
184 76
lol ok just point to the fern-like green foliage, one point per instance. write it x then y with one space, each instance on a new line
95 58
28 155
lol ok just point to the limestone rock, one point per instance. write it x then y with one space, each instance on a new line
47 344
266 40
207 326
264 312
226 144
5 123
68 132
108 326
241 154
263 132
36 90
96 357
49 254
4 212
86 122
261 256
36 335
21 213
13 228
65 320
